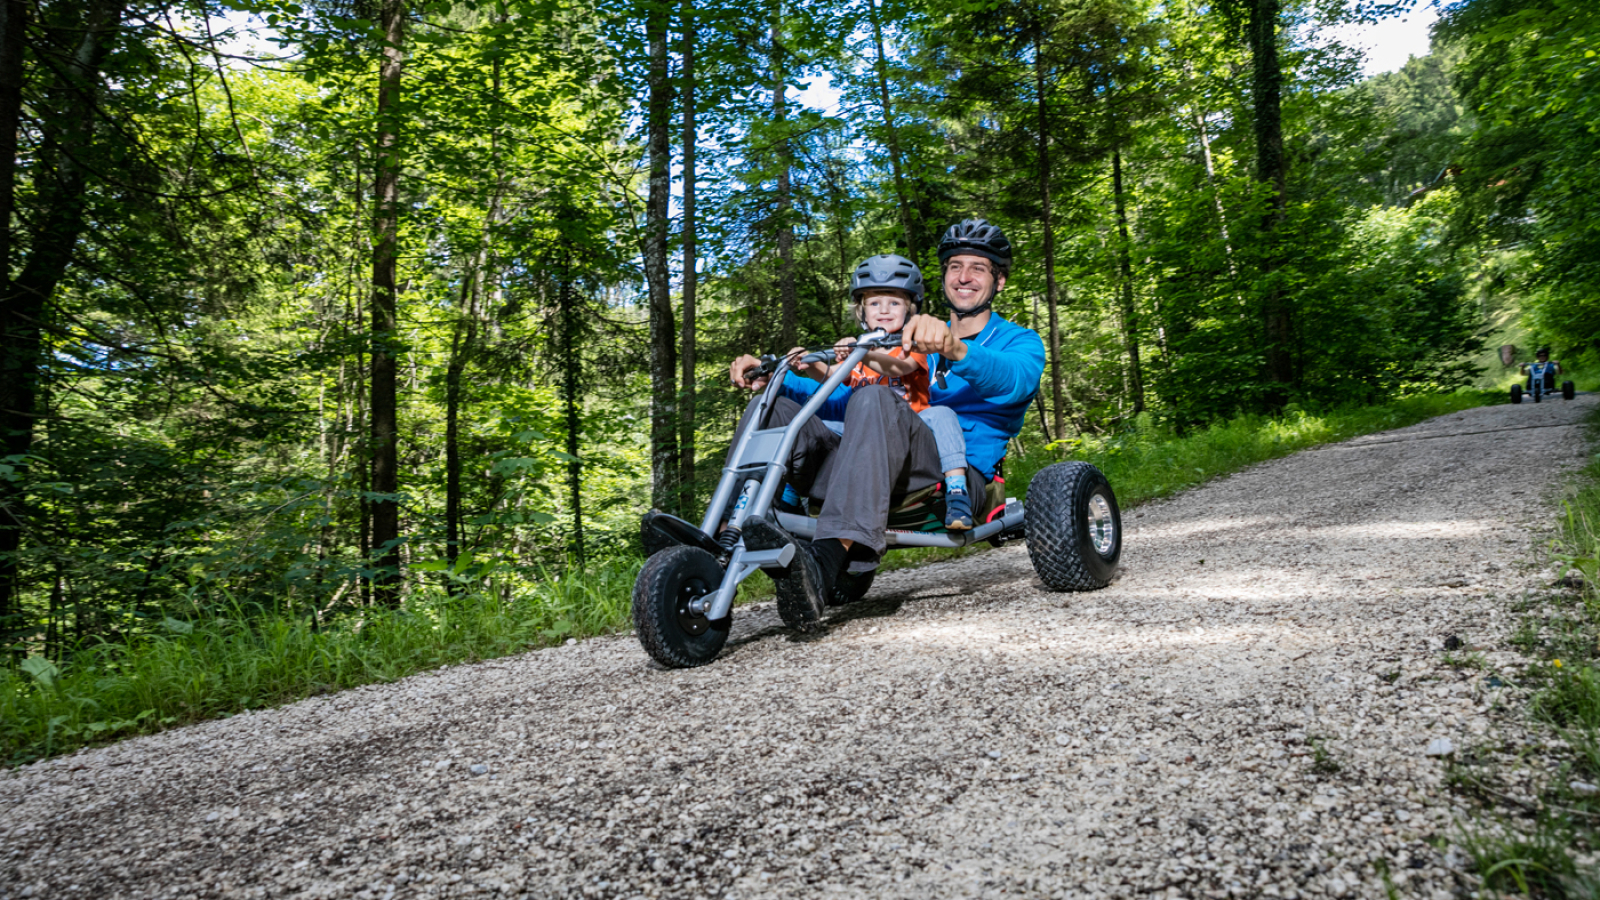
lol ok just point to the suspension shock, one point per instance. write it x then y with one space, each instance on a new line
727 539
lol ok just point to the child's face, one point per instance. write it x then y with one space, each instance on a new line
885 309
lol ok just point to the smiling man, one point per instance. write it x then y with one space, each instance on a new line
988 371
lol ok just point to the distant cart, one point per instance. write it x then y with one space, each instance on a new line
1541 381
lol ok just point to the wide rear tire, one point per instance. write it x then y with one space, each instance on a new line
1568 390
1074 527
670 633
1516 393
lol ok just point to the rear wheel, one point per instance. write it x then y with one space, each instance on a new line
671 633
1568 390
1516 393
1074 527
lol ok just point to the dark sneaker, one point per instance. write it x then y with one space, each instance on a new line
957 511
803 591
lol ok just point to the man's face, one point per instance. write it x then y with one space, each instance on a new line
969 280
1542 357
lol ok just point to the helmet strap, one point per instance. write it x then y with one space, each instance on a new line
983 307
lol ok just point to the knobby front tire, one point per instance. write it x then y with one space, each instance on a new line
670 633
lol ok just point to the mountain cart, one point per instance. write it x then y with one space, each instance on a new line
683 598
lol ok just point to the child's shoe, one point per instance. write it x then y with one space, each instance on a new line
957 511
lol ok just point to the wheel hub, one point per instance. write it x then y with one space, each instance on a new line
692 621
1102 526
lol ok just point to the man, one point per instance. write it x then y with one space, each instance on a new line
988 369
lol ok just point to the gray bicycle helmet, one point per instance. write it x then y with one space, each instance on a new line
980 237
888 270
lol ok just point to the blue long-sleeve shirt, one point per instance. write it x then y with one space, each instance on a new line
989 389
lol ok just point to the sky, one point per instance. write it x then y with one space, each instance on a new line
1392 41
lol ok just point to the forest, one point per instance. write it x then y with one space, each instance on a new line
316 306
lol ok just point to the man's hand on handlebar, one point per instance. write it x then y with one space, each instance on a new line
747 365
930 334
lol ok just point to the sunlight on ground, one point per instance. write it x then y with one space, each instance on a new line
1070 640
1434 528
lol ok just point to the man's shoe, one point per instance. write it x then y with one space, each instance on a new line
957 511
803 592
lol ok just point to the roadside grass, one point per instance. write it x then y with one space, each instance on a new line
1548 847
208 668
215 667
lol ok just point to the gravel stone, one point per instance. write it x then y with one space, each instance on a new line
1248 727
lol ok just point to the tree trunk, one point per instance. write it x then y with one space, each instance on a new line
1130 313
1216 195
1272 169
462 343
1057 389
663 336
788 306
385 510
571 377
17 366
892 138
686 405
67 113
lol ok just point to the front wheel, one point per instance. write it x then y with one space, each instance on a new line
1568 390
1516 393
671 633
1074 527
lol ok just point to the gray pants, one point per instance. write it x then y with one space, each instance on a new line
890 453
947 435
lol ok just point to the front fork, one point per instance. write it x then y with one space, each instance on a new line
741 563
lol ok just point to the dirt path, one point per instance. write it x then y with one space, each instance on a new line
962 734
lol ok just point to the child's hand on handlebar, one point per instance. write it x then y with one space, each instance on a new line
815 370
842 348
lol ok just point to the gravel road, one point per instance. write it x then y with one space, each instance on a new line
963 733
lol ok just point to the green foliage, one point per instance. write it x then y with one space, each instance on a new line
1530 69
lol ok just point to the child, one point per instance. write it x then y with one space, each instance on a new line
885 291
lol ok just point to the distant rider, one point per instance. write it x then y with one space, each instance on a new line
1544 366
989 369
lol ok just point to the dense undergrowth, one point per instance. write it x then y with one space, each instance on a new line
206 668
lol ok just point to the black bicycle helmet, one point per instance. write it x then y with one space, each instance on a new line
887 270
980 237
